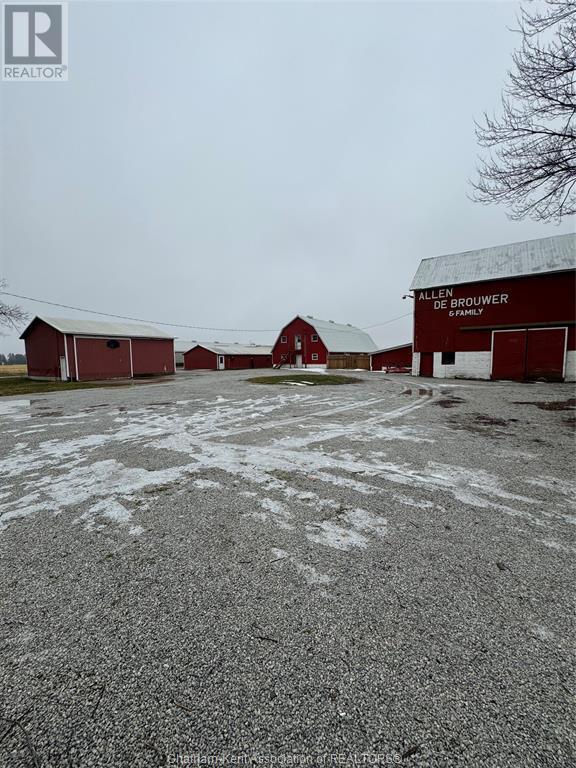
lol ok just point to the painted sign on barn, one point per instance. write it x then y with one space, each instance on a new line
463 306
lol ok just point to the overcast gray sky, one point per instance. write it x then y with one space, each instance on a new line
233 165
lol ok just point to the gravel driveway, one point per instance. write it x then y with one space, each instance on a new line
205 571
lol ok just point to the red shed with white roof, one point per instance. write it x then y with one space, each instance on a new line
393 359
81 350
218 356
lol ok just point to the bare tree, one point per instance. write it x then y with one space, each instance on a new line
11 316
532 165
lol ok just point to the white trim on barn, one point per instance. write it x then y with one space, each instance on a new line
68 375
75 358
102 338
544 328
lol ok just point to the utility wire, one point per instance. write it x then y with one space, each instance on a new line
176 325
139 319
392 319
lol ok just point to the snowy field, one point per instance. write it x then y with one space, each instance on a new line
205 567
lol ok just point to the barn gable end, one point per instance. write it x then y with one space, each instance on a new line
502 313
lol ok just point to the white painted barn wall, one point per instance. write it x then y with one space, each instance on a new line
469 365
570 370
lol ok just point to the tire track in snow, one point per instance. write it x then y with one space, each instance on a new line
357 426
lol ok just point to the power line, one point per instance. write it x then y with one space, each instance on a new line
139 319
175 325
392 319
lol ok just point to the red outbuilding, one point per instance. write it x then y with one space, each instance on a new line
307 342
498 313
393 359
81 350
220 357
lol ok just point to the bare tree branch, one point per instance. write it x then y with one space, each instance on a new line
11 316
531 160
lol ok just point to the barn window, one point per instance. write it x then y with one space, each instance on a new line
314 355
448 358
283 339
314 337
112 344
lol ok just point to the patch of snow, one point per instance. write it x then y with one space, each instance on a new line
294 383
308 572
355 523
516 454
564 487
205 484
13 409
103 479
330 534
109 509
408 501
278 511
553 544
22 461
365 521
542 632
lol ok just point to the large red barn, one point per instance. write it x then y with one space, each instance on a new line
307 342
506 312
81 350
218 356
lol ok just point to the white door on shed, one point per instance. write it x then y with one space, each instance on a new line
221 363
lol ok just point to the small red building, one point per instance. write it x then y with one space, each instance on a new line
81 350
221 357
393 359
307 342
180 348
498 313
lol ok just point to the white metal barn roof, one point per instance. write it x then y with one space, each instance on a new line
391 349
220 348
339 337
100 328
531 257
182 345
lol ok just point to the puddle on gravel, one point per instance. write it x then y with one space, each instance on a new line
482 424
550 405
422 392
450 402
42 409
